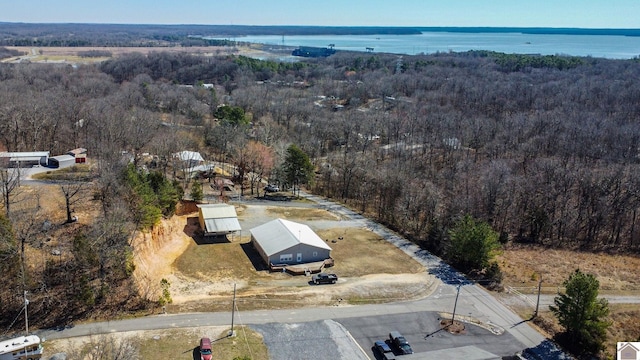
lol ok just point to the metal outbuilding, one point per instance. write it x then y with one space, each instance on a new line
61 161
25 159
286 242
218 219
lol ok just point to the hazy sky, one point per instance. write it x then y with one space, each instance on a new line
518 13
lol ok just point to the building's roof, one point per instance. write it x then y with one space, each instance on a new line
24 156
217 211
77 151
189 156
278 235
219 218
61 158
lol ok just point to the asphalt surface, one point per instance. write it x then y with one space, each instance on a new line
348 332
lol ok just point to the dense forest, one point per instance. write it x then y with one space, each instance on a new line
544 149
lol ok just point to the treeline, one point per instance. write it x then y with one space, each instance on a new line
6 53
127 35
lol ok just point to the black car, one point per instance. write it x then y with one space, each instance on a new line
383 350
400 343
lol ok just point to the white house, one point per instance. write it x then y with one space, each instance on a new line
281 242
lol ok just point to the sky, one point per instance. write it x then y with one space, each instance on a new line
492 13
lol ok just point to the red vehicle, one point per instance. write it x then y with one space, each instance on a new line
205 349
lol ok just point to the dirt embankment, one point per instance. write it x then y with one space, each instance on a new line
156 251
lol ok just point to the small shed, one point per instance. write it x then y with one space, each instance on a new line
284 242
218 219
80 155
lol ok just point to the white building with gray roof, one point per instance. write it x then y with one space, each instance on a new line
284 242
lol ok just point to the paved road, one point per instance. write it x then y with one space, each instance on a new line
473 301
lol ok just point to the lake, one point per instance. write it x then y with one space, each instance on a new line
606 46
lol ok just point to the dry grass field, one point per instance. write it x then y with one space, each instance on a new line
617 274
524 265
71 55
174 344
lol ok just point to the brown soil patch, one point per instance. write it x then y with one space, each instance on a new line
455 327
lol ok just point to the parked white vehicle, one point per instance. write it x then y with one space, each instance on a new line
21 348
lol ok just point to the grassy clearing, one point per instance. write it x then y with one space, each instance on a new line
292 213
182 344
524 264
174 344
67 59
617 274
217 260
80 172
361 252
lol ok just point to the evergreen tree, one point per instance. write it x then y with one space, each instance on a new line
582 314
297 167
472 245
196 191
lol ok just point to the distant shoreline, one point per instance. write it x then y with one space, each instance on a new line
27 29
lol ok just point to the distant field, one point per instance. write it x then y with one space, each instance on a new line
71 54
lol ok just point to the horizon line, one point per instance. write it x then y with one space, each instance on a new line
326 26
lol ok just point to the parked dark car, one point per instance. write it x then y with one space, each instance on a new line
400 343
384 350
324 278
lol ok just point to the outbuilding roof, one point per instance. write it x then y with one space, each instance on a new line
279 234
63 158
24 156
219 218
189 156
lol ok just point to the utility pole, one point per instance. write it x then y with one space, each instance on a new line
26 316
233 309
538 301
453 317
